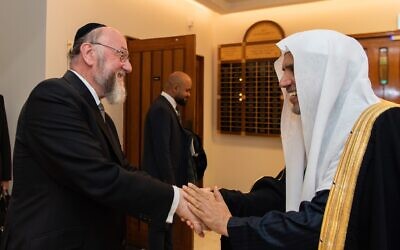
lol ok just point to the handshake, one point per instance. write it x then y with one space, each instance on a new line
203 209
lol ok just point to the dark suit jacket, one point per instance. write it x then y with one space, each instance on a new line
5 151
72 183
164 149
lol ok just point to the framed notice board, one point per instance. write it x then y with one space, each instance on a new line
249 97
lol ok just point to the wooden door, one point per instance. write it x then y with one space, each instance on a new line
383 51
152 61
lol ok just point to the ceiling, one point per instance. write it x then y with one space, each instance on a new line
230 6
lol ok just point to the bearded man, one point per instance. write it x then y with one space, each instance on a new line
73 184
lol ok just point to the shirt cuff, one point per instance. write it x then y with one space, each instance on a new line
174 205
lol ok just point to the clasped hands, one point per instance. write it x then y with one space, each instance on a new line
203 209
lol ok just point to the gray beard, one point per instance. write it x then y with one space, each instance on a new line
117 94
114 88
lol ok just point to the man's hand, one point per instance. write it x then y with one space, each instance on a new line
209 207
186 215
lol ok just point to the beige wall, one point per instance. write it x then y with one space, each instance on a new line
34 47
22 50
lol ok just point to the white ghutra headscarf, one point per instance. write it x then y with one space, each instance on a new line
333 89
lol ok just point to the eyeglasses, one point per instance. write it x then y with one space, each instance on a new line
122 53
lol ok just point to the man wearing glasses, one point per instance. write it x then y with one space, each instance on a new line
73 184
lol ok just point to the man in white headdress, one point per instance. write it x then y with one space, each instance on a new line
341 145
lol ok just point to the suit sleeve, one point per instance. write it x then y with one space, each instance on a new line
280 230
61 132
267 194
5 148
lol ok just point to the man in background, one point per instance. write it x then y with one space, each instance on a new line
164 147
73 184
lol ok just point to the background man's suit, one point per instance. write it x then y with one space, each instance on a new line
5 151
163 157
72 182
163 153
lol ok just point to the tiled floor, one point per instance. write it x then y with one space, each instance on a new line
209 242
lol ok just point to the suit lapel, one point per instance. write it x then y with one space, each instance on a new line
77 84
172 110
112 138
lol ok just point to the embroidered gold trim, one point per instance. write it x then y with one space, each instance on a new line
338 207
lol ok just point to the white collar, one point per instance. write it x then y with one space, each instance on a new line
88 86
169 98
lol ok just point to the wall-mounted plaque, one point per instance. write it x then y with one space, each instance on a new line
249 97
263 50
231 53
264 31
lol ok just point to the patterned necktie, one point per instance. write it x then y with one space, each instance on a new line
102 111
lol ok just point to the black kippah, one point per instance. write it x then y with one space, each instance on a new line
85 29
